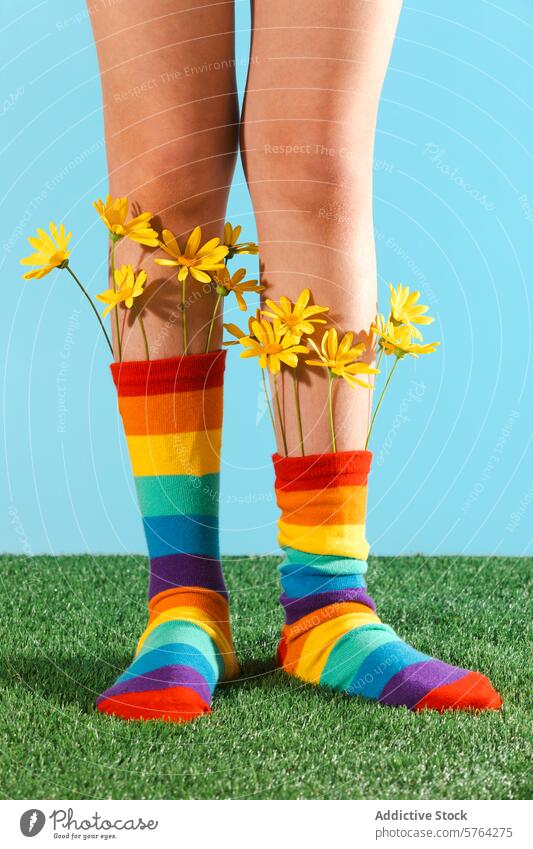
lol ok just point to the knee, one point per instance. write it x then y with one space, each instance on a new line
183 157
188 179
321 152
306 162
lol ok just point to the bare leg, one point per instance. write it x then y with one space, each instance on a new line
308 137
170 104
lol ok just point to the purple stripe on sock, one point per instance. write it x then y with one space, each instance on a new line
296 608
185 570
174 675
414 682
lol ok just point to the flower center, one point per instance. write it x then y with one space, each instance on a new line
291 320
116 227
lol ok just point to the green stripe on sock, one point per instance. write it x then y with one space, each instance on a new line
176 495
350 652
326 564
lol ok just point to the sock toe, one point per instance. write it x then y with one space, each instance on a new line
174 704
472 692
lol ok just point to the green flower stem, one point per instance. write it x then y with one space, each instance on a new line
298 411
378 405
100 322
379 358
123 328
145 339
267 396
184 314
280 416
330 409
112 272
215 311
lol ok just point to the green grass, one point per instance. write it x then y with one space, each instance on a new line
70 624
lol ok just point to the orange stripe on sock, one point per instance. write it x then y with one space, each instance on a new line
180 412
211 602
343 505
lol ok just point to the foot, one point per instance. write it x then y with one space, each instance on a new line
332 633
178 663
334 637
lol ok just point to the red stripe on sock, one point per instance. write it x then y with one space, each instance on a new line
320 471
472 692
174 704
175 374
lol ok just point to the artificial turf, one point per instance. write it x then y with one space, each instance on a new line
70 624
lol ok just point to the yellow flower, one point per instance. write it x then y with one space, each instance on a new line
269 342
296 319
231 235
406 310
128 287
114 213
126 281
396 339
50 252
341 358
226 283
110 297
194 259
237 332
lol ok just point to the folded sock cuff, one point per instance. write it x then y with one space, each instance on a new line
175 374
318 471
322 499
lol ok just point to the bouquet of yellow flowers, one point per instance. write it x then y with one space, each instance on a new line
280 336
205 263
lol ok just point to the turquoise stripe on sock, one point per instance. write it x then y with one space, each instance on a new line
173 495
381 665
181 631
171 653
350 652
324 563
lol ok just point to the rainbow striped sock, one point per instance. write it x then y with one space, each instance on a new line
332 634
172 415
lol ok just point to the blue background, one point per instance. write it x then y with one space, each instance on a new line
454 217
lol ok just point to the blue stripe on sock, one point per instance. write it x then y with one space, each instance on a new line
299 586
381 665
181 534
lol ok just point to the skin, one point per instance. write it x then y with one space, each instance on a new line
315 78
307 139
171 144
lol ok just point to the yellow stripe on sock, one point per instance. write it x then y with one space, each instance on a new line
339 540
321 640
219 633
194 453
